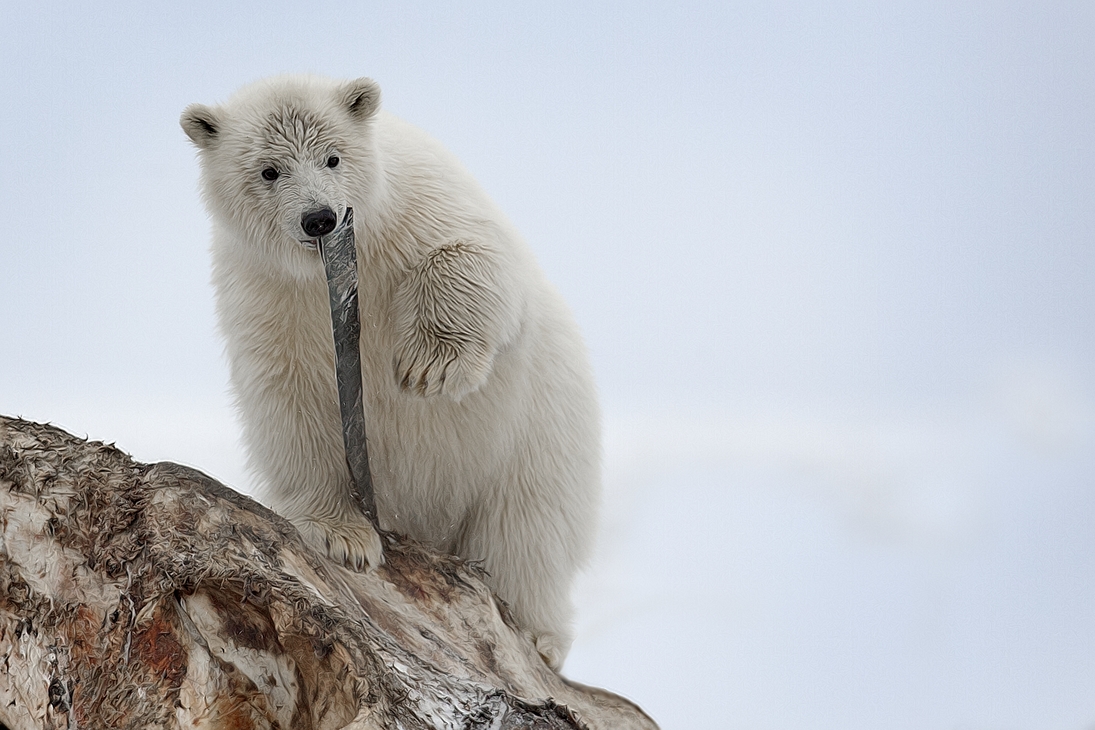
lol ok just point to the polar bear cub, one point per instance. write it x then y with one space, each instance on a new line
480 408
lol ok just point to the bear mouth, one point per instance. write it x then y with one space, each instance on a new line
310 244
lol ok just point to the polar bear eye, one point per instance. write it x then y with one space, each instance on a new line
270 174
333 161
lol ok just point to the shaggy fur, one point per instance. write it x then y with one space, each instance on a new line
479 403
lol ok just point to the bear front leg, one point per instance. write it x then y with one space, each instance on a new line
453 312
328 516
348 538
294 436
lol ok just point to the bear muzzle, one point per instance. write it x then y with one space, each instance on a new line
318 222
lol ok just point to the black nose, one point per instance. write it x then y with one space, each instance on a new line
318 222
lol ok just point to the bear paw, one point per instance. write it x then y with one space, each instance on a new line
354 543
438 363
552 649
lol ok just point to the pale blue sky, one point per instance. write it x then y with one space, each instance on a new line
845 252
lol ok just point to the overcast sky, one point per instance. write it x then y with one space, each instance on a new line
835 266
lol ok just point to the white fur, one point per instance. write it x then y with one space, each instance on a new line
479 403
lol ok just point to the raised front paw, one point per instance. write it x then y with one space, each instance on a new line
435 362
352 542
451 313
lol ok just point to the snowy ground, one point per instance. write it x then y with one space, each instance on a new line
846 575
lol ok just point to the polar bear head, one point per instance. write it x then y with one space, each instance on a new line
283 158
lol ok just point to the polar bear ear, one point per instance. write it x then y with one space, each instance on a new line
361 98
201 124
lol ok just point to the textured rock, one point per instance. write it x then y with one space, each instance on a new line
135 595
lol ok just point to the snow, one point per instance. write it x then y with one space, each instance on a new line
873 575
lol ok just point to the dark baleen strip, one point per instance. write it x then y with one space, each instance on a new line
340 263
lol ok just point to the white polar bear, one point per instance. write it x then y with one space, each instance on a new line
479 402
